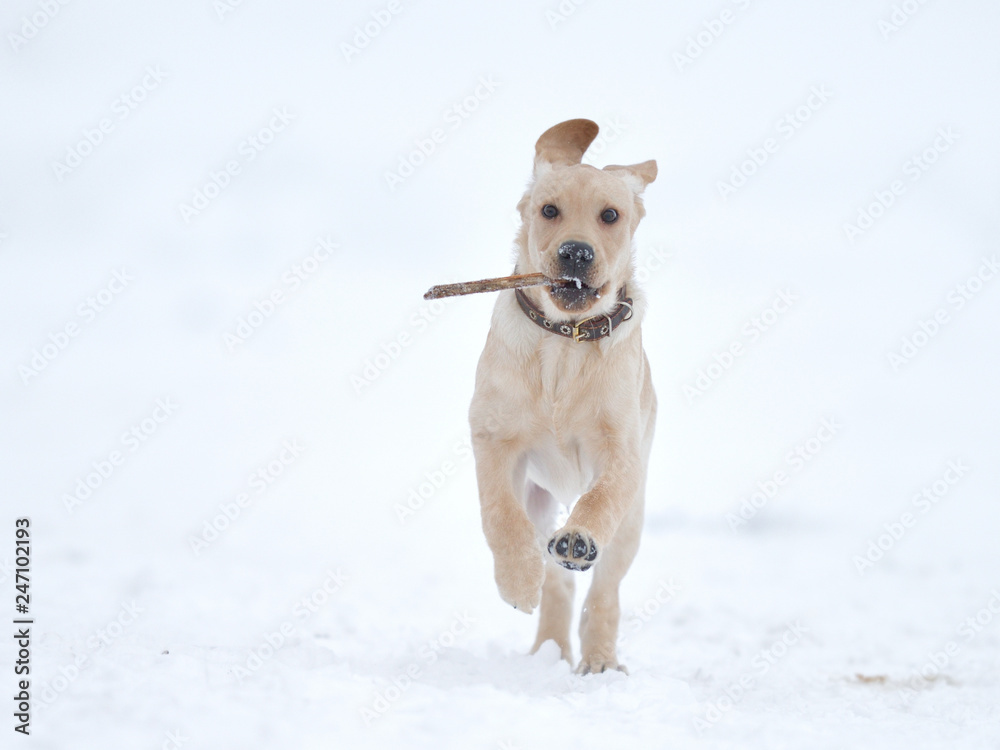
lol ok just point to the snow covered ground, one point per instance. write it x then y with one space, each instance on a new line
240 434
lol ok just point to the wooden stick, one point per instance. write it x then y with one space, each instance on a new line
488 285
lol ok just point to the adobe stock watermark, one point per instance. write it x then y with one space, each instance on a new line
454 117
937 661
786 126
650 261
291 281
174 740
223 8
32 24
928 328
708 35
559 14
928 497
273 641
121 108
104 468
429 653
899 17
725 359
761 664
247 151
260 480
98 641
86 313
642 614
390 351
796 460
913 169
611 129
433 480
365 33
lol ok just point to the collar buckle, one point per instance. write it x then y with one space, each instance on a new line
579 335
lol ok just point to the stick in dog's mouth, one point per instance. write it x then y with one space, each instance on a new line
495 285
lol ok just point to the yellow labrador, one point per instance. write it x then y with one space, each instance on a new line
564 406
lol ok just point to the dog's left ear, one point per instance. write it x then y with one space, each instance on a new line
636 176
564 144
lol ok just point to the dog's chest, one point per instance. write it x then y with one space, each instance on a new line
562 457
562 371
563 467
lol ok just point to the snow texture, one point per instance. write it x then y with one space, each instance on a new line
240 434
574 279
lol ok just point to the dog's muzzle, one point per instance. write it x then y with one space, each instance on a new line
575 266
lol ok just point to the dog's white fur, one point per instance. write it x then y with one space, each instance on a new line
553 419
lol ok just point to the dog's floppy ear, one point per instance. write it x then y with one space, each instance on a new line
636 176
564 144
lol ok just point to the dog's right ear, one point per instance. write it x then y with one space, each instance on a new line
564 144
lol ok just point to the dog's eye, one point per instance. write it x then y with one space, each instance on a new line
549 211
610 216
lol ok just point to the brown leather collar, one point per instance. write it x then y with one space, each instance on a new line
589 329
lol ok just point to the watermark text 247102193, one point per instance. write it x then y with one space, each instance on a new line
22 625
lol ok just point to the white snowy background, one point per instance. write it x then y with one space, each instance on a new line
319 614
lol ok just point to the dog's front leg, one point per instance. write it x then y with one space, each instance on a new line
519 567
598 513
603 530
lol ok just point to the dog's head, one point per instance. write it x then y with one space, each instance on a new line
577 222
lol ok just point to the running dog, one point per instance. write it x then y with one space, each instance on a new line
564 409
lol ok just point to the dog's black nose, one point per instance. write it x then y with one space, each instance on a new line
574 253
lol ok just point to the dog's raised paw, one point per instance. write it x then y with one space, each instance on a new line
573 549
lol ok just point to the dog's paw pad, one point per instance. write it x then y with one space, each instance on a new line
573 549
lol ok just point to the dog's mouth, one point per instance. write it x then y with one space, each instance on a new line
571 294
